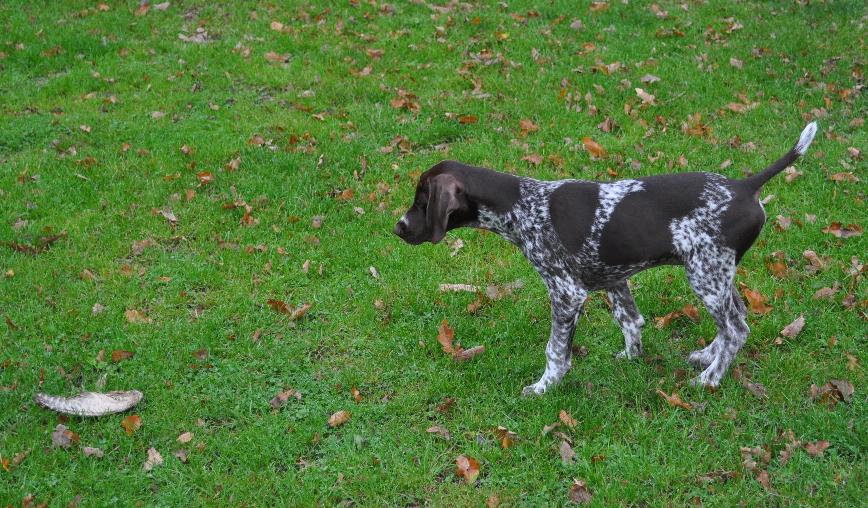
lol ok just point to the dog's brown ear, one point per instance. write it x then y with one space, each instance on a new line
443 198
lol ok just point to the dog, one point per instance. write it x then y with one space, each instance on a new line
585 236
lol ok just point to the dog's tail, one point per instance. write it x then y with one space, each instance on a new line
801 146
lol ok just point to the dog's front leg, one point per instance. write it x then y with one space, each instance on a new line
567 301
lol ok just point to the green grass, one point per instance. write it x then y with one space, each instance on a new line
114 69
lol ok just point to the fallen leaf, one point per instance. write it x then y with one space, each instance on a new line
339 418
674 400
579 492
844 177
185 437
119 355
63 437
467 119
527 126
466 354
131 423
357 396
567 419
837 230
756 301
533 158
154 459
755 388
200 354
649 78
814 259
824 293
816 448
92 452
445 336
844 387
735 62
204 178
794 328
139 246
274 57
294 313
280 399
181 455
646 97
595 149
832 392
567 453
763 479
440 431
507 437
791 174
137 316
467 467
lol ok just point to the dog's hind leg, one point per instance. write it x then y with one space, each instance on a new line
627 315
567 301
710 273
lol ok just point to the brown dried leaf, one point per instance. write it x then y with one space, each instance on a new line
280 399
185 437
844 177
154 459
90 451
467 119
844 387
579 492
533 158
507 437
131 423
674 400
567 453
646 97
527 126
63 437
755 388
274 57
445 336
595 149
137 316
837 230
293 313
794 328
756 301
816 448
119 355
467 467
440 431
567 419
824 293
339 418
466 354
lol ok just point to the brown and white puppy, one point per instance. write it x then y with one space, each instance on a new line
583 235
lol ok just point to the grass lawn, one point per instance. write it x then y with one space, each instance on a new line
164 175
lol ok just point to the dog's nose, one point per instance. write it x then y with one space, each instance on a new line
400 228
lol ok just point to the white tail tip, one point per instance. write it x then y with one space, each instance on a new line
806 138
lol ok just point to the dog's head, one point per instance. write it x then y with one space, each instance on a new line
440 204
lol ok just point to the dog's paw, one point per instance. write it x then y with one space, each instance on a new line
631 354
533 390
700 359
701 381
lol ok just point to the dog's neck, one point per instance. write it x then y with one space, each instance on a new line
495 196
